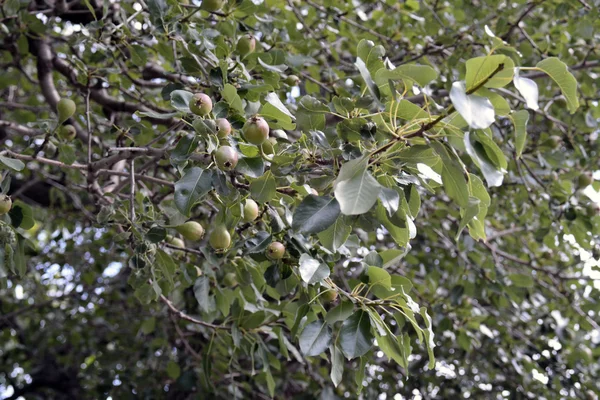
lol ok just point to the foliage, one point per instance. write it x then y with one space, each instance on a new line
420 230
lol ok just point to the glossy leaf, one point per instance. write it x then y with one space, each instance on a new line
355 335
194 185
315 338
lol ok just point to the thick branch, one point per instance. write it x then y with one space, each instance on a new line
22 129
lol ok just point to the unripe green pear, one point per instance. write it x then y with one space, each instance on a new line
5 204
230 279
67 132
585 180
65 108
250 210
256 130
330 295
592 209
212 5
226 158
219 238
246 45
292 80
175 242
201 104
223 128
275 251
191 230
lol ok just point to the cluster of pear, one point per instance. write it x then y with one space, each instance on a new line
219 238
65 108
254 131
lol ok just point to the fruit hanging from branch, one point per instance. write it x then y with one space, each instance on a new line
201 104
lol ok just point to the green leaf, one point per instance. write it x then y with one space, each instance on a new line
232 98
355 335
185 147
223 300
308 121
501 106
337 365
557 70
166 265
366 75
452 176
156 234
477 189
277 112
274 100
340 312
409 111
270 381
275 68
201 292
156 115
19 260
264 188
315 214
11 7
336 235
253 167
398 229
148 326
355 188
360 375
311 114
390 200
180 100
419 74
528 89
259 242
66 154
371 54
477 111
312 271
157 10
353 129
519 120
493 174
173 370
391 257
373 259
429 337
21 215
379 276
399 285
315 338
196 183
205 126
521 280
393 348
469 213
12 163
313 105
480 68
418 154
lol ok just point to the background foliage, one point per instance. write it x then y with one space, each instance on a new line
427 172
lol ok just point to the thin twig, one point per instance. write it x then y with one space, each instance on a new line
186 317
89 127
132 190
